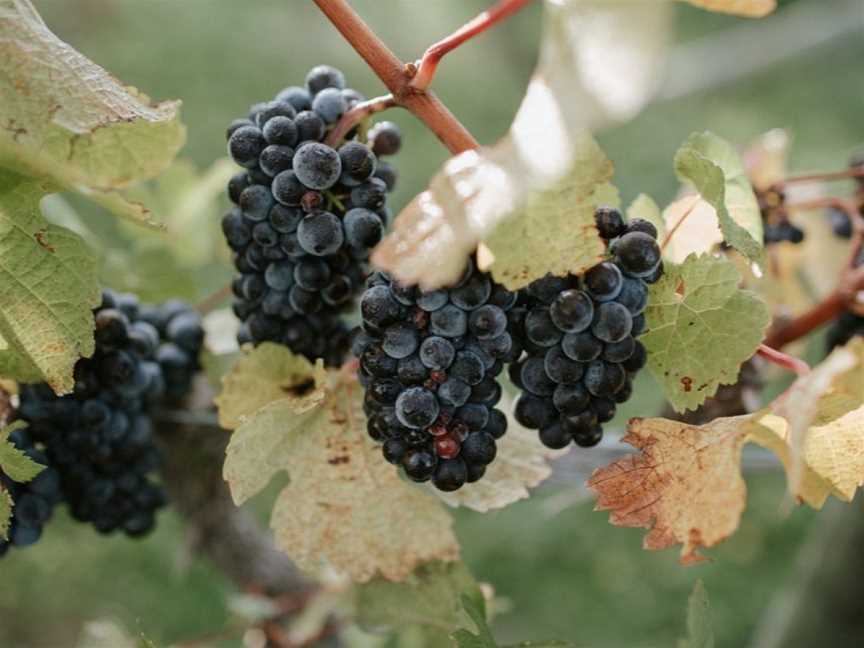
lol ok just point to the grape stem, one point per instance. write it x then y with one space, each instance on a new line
855 172
783 360
396 76
357 114
428 65
212 301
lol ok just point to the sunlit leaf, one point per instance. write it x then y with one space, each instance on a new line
268 373
538 184
750 8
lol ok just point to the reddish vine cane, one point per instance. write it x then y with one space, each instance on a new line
407 82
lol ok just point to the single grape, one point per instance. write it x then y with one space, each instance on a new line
417 408
320 233
358 163
612 322
638 254
245 145
604 281
330 104
610 223
324 76
572 311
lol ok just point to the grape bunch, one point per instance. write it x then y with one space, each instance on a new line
181 338
429 362
777 226
99 438
34 501
849 324
306 215
839 219
580 336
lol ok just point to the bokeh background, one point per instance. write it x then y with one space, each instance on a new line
562 570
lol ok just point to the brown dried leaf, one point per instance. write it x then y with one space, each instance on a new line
686 486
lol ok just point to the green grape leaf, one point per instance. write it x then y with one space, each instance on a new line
341 502
475 609
714 168
701 328
47 290
529 197
66 119
699 631
645 208
522 463
429 597
13 462
267 373
6 506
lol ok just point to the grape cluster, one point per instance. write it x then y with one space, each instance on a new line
306 215
34 501
579 335
181 338
99 439
777 226
429 362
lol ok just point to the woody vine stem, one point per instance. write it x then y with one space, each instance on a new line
408 83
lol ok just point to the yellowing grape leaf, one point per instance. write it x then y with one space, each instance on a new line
6 505
67 119
685 486
645 208
713 167
701 328
429 597
498 194
344 506
750 8
268 373
47 289
13 462
522 463
816 427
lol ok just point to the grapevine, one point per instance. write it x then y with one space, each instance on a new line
363 367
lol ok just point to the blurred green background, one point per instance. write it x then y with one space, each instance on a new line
566 573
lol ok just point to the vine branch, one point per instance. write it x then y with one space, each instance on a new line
396 76
783 360
477 25
357 114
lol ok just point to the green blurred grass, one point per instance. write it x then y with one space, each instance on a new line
568 575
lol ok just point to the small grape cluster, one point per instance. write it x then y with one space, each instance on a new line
34 501
429 362
777 226
579 335
849 324
839 219
99 439
306 215
181 337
